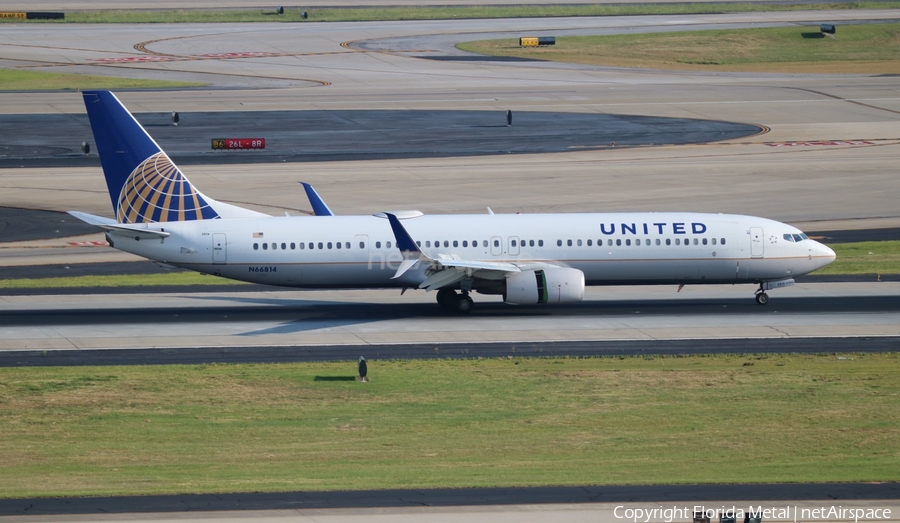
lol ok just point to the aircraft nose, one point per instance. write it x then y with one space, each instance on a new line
825 254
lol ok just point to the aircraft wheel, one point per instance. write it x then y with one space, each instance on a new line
463 304
445 297
762 298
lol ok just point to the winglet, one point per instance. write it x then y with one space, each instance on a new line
318 204
404 241
411 252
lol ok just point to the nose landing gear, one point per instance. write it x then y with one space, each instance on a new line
761 297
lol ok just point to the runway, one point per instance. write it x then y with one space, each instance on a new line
384 318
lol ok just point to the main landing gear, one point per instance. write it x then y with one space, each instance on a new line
461 303
761 297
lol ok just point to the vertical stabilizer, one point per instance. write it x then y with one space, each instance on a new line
144 185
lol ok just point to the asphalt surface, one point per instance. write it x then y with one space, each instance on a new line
189 355
449 497
318 135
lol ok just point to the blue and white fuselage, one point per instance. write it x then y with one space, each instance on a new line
526 258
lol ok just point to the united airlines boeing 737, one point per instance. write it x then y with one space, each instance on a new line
526 258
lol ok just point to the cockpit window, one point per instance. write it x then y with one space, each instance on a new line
804 236
788 237
797 238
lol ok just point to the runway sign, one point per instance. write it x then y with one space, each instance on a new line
535 41
30 15
238 143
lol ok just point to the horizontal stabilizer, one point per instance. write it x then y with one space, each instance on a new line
107 224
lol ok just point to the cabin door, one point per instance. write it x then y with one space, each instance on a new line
757 248
220 246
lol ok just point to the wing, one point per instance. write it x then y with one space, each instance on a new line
447 270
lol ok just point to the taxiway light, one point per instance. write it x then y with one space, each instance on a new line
827 28
303 15
174 118
85 148
280 10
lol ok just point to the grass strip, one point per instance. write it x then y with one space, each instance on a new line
71 431
865 258
865 48
852 258
18 80
124 280
435 13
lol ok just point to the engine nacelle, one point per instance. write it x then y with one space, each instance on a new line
562 285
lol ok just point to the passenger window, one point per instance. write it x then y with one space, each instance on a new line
377 245
668 241
388 245
465 243
579 243
628 242
320 246
329 245
496 243
569 243
531 243
484 242
618 243
338 245
293 246
722 241
312 245
677 241
657 241
255 246
609 242
362 245
512 243
695 241
446 243
455 243
428 243
713 241
590 242
418 243
540 243
283 246
704 241
265 246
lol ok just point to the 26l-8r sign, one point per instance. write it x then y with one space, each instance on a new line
239 143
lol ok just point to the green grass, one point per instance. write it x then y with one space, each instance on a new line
18 80
865 258
124 280
420 424
433 13
867 48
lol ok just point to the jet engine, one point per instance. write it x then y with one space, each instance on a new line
558 285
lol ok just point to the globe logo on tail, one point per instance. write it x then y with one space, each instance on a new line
156 191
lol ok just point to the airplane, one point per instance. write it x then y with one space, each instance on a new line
528 259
